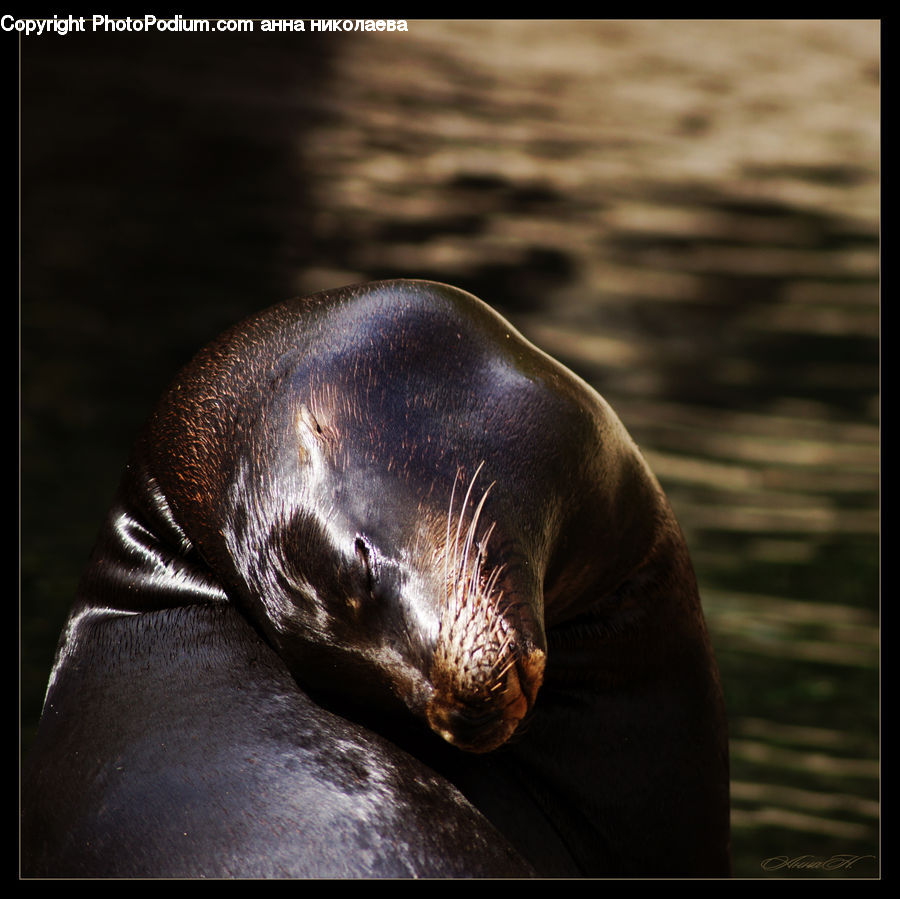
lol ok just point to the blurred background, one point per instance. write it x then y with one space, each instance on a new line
685 213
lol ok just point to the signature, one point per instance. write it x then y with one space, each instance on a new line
833 863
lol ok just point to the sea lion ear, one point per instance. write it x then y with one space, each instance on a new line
309 431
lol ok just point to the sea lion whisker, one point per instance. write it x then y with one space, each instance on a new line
502 673
470 536
482 544
449 523
462 513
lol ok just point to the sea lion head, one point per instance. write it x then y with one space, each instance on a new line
379 477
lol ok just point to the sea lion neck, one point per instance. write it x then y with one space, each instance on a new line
141 545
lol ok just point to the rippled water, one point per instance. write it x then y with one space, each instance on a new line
685 213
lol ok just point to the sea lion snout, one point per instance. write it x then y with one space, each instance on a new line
478 705
489 655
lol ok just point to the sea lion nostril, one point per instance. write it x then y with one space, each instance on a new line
473 718
474 727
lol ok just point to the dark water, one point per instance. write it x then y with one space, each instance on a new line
684 213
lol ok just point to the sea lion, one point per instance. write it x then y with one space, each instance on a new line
385 591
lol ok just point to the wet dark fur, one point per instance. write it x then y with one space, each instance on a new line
292 586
